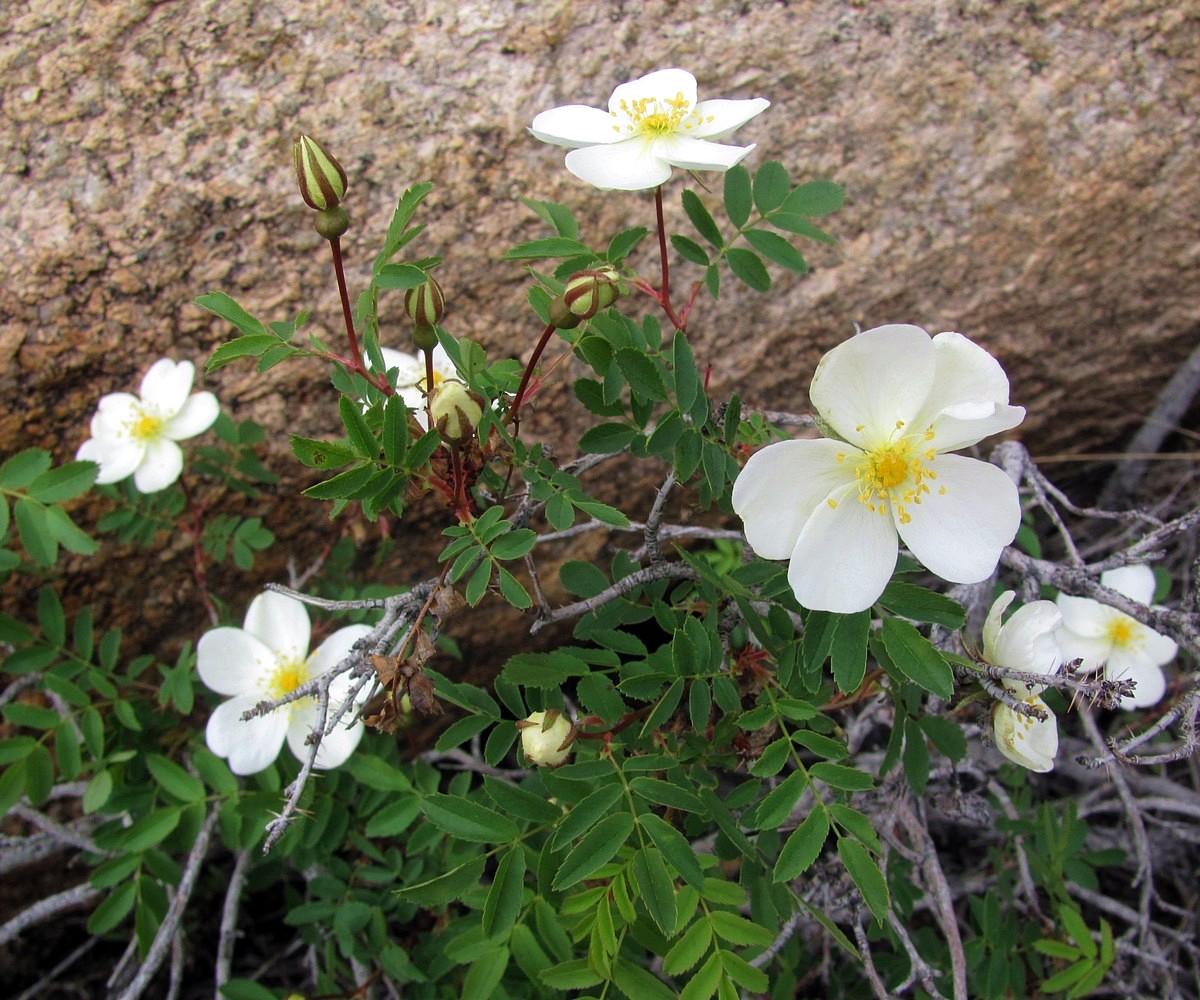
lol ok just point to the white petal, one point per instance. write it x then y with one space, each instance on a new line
953 430
844 557
116 458
626 166
1027 641
969 397
281 623
1151 684
1135 582
719 118
662 85
442 365
335 748
699 154
197 415
335 649
1158 649
1027 741
1092 650
167 384
575 125
160 466
410 369
116 414
867 383
249 745
780 487
992 624
1085 617
232 661
959 534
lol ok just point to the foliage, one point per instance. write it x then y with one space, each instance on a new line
760 799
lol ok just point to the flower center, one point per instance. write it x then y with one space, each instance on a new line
288 675
656 117
1123 632
146 426
895 474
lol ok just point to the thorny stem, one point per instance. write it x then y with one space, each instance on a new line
278 826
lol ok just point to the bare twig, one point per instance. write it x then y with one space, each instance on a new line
652 548
64 835
782 938
1173 402
939 888
229 919
660 571
1186 708
1145 870
40 989
278 826
179 900
46 909
864 949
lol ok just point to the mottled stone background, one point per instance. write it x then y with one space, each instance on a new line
1024 172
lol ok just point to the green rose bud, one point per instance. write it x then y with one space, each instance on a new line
546 738
588 292
426 303
321 178
455 411
561 317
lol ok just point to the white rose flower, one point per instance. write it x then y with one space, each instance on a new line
1025 642
900 401
136 436
1102 636
410 379
652 124
264 660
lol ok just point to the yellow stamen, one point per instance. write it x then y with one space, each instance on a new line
146 426
656 117
1124 633
288 675
895 474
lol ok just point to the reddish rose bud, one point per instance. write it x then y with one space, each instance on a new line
588 292
425 304
321 178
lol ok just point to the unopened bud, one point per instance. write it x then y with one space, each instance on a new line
321 178
455 410
546 738
588 292
426 303
561 317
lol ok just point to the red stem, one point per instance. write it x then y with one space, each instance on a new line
514 412
664 294
199 573
379 381
429 384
